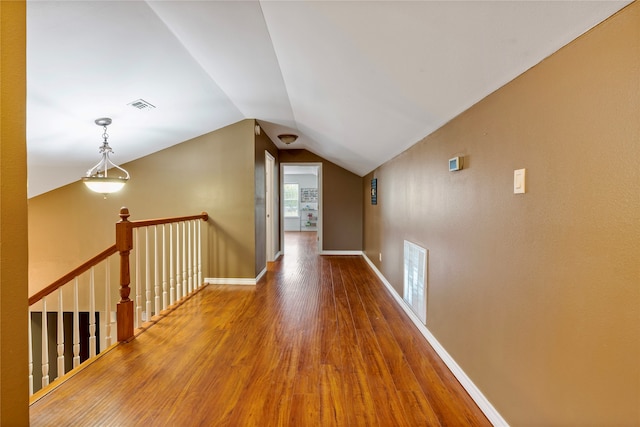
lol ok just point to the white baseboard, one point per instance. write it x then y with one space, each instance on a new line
341 253
278 255
235 281
262 273
230 281
483 403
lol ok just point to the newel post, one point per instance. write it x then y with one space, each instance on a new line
124 244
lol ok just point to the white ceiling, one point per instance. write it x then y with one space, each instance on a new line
358 81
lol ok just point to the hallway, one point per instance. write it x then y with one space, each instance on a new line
318 342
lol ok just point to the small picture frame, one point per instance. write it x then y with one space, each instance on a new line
374 191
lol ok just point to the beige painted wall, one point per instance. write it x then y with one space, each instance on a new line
536 296
341 202
212 173
14 391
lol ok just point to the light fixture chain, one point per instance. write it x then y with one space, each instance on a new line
105 135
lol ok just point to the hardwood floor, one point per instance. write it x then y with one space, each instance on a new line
319 342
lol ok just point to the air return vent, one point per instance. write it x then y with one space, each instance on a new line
141 104
415 274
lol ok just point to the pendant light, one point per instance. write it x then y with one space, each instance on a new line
106 177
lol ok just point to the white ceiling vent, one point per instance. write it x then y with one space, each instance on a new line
141 104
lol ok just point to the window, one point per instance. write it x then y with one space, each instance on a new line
291 193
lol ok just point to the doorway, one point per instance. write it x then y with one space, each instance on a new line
301 201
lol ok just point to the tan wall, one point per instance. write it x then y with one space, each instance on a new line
536 296
212 173
263 143
341 202
14 391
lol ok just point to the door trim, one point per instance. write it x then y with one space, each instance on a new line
320 202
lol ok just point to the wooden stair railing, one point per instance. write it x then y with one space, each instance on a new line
124 244
182 283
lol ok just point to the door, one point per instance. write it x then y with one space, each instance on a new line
269 199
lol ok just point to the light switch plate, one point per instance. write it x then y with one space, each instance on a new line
519 180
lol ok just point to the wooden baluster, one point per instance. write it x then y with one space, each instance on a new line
92 313
164 268
172 277
60 335
156 274
184 259
189 250
178 270
45 345
76 325
124 244
107 308
147 275
30 358
138 281
199 254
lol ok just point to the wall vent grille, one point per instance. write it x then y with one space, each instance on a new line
415 284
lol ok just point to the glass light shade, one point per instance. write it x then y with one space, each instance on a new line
288 138
104 185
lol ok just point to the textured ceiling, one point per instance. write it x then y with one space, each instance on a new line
359 81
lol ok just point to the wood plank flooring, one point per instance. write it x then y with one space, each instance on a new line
319 342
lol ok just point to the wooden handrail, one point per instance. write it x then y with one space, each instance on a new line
73 273
149 222
107 253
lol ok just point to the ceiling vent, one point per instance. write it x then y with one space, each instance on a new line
141 104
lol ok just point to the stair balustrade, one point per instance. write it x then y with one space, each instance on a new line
167 267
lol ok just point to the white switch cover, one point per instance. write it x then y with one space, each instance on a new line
519 181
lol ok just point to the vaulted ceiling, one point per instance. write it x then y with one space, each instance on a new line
358 81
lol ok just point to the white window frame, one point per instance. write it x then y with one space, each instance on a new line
297 200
